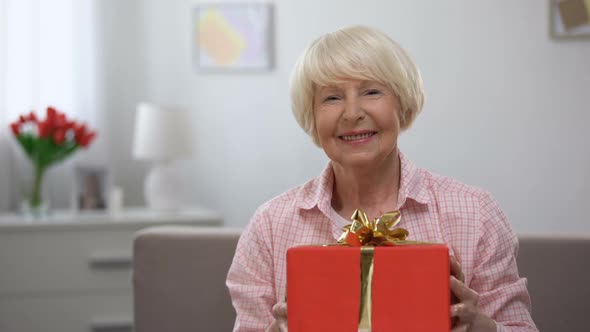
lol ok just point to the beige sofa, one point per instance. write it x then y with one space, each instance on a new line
179 280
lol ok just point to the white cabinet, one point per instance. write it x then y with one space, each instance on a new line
73 272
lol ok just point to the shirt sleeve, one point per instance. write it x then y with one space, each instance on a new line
503 294
250 277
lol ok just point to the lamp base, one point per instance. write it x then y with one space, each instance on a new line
163 188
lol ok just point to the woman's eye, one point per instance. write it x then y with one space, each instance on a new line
372 92
331 98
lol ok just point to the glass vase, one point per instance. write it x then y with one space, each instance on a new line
34 213
34 206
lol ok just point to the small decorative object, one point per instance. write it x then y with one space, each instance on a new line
162 135
233 37
47 143
115 200
569 19
91 187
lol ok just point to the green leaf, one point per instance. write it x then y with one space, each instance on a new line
43 152
27 143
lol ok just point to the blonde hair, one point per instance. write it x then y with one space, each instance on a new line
356 52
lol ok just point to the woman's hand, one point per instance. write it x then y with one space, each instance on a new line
465 311
279 312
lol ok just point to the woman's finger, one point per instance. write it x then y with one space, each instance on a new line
464 293
283 325
279 310
456 269
278 325
466 313
274 327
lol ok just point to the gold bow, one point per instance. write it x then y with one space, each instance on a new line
378 232
367 235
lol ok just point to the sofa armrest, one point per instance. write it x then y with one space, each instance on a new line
179 277
558 279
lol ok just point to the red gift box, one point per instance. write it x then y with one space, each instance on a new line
409 289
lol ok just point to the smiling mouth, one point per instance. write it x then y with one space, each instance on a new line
357 137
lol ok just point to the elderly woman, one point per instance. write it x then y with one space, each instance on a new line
354 91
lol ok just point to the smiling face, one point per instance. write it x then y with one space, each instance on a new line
357 121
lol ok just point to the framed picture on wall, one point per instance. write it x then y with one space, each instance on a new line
233 37
91 188
569 19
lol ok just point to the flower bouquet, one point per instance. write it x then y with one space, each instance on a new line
46 143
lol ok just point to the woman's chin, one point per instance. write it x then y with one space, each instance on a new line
360 160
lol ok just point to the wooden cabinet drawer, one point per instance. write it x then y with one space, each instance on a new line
93 313
65 261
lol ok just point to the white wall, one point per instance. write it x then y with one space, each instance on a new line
507 108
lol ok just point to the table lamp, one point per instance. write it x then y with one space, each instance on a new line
163 134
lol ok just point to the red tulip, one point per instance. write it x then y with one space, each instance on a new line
32 117
70 125
43 129
15 127
79 132
22 119
50 116
59 136
51 112
60 120
85 140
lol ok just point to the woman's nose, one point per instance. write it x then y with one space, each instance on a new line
353 110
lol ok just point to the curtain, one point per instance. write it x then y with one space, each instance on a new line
47 58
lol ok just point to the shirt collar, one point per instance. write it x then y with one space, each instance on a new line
319 191
412 183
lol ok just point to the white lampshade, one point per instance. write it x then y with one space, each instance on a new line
162 133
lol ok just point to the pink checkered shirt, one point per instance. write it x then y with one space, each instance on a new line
434 208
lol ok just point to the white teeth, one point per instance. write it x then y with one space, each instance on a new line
356 137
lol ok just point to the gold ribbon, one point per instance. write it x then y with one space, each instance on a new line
367 235
362 232
365 308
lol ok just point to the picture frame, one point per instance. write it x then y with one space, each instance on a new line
569 19
233 37
92 186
